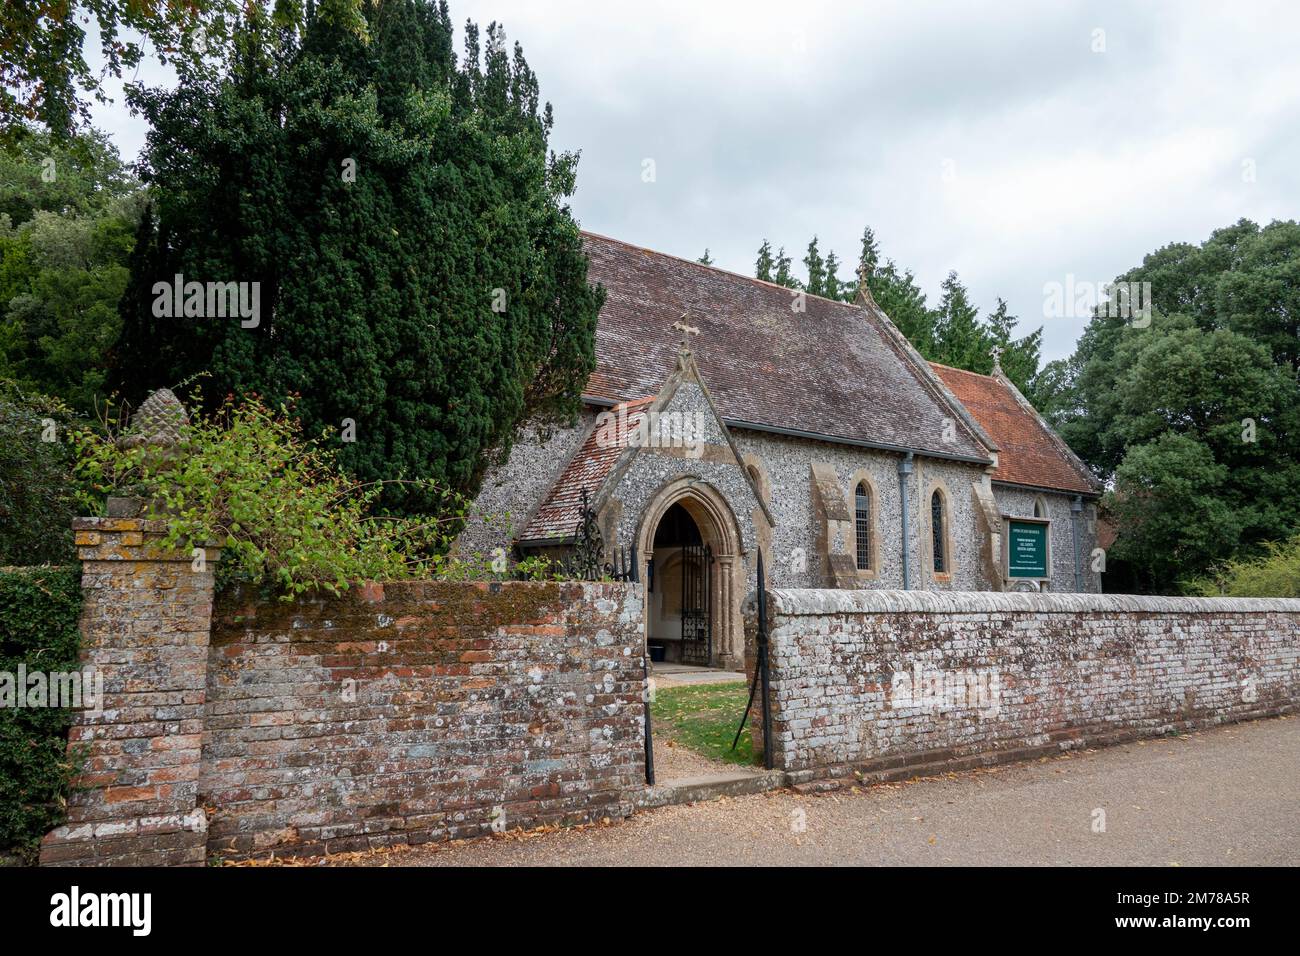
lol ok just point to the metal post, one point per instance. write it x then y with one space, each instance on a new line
762 664
635 573
649 733
760 673
904 472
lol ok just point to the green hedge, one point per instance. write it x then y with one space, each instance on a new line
38 627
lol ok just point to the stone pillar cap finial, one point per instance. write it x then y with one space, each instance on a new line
158 422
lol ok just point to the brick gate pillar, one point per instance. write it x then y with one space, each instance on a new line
145 624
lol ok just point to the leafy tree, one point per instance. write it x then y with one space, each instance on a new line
706 259
1053 392
764 265
420 273
80 177
1258 291
1207 390
44 76
63 263
1165 542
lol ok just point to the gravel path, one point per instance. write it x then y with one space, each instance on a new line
674 762
1227 796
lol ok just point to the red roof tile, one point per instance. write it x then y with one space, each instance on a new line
1029 453
559 514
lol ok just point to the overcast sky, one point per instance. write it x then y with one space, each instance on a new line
1016 143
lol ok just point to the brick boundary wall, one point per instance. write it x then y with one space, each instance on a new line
396 713
881 685
405 713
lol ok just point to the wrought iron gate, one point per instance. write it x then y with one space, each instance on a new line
697 616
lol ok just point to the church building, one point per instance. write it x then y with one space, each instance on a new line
728 415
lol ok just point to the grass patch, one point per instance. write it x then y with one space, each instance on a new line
703 718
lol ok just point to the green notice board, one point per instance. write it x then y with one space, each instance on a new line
1026 549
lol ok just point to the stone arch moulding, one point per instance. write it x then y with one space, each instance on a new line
759 473
721 531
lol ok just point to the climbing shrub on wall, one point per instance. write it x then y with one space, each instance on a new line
39 608
246 479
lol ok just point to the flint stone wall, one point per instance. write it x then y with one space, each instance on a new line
889 684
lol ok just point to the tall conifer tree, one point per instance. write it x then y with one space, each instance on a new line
420 272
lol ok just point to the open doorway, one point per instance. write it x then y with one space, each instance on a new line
679 590
698 691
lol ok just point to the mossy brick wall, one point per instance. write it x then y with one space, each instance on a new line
145 618
892 684
421 711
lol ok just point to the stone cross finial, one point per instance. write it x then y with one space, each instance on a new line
686 330
997 359
864 288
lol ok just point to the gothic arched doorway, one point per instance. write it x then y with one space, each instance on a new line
678 579
689 541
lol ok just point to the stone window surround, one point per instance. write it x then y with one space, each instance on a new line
750 460
863 476
927 543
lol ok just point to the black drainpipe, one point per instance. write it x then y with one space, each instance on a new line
904 470
1076 512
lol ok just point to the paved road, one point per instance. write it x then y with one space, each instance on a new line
1227 796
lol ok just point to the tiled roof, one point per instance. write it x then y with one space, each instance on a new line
590 466
833 370
1029 454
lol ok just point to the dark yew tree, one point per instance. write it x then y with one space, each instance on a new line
420 273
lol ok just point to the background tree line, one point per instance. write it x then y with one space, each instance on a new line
950 333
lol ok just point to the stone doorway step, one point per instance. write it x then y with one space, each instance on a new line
677 675
735 783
